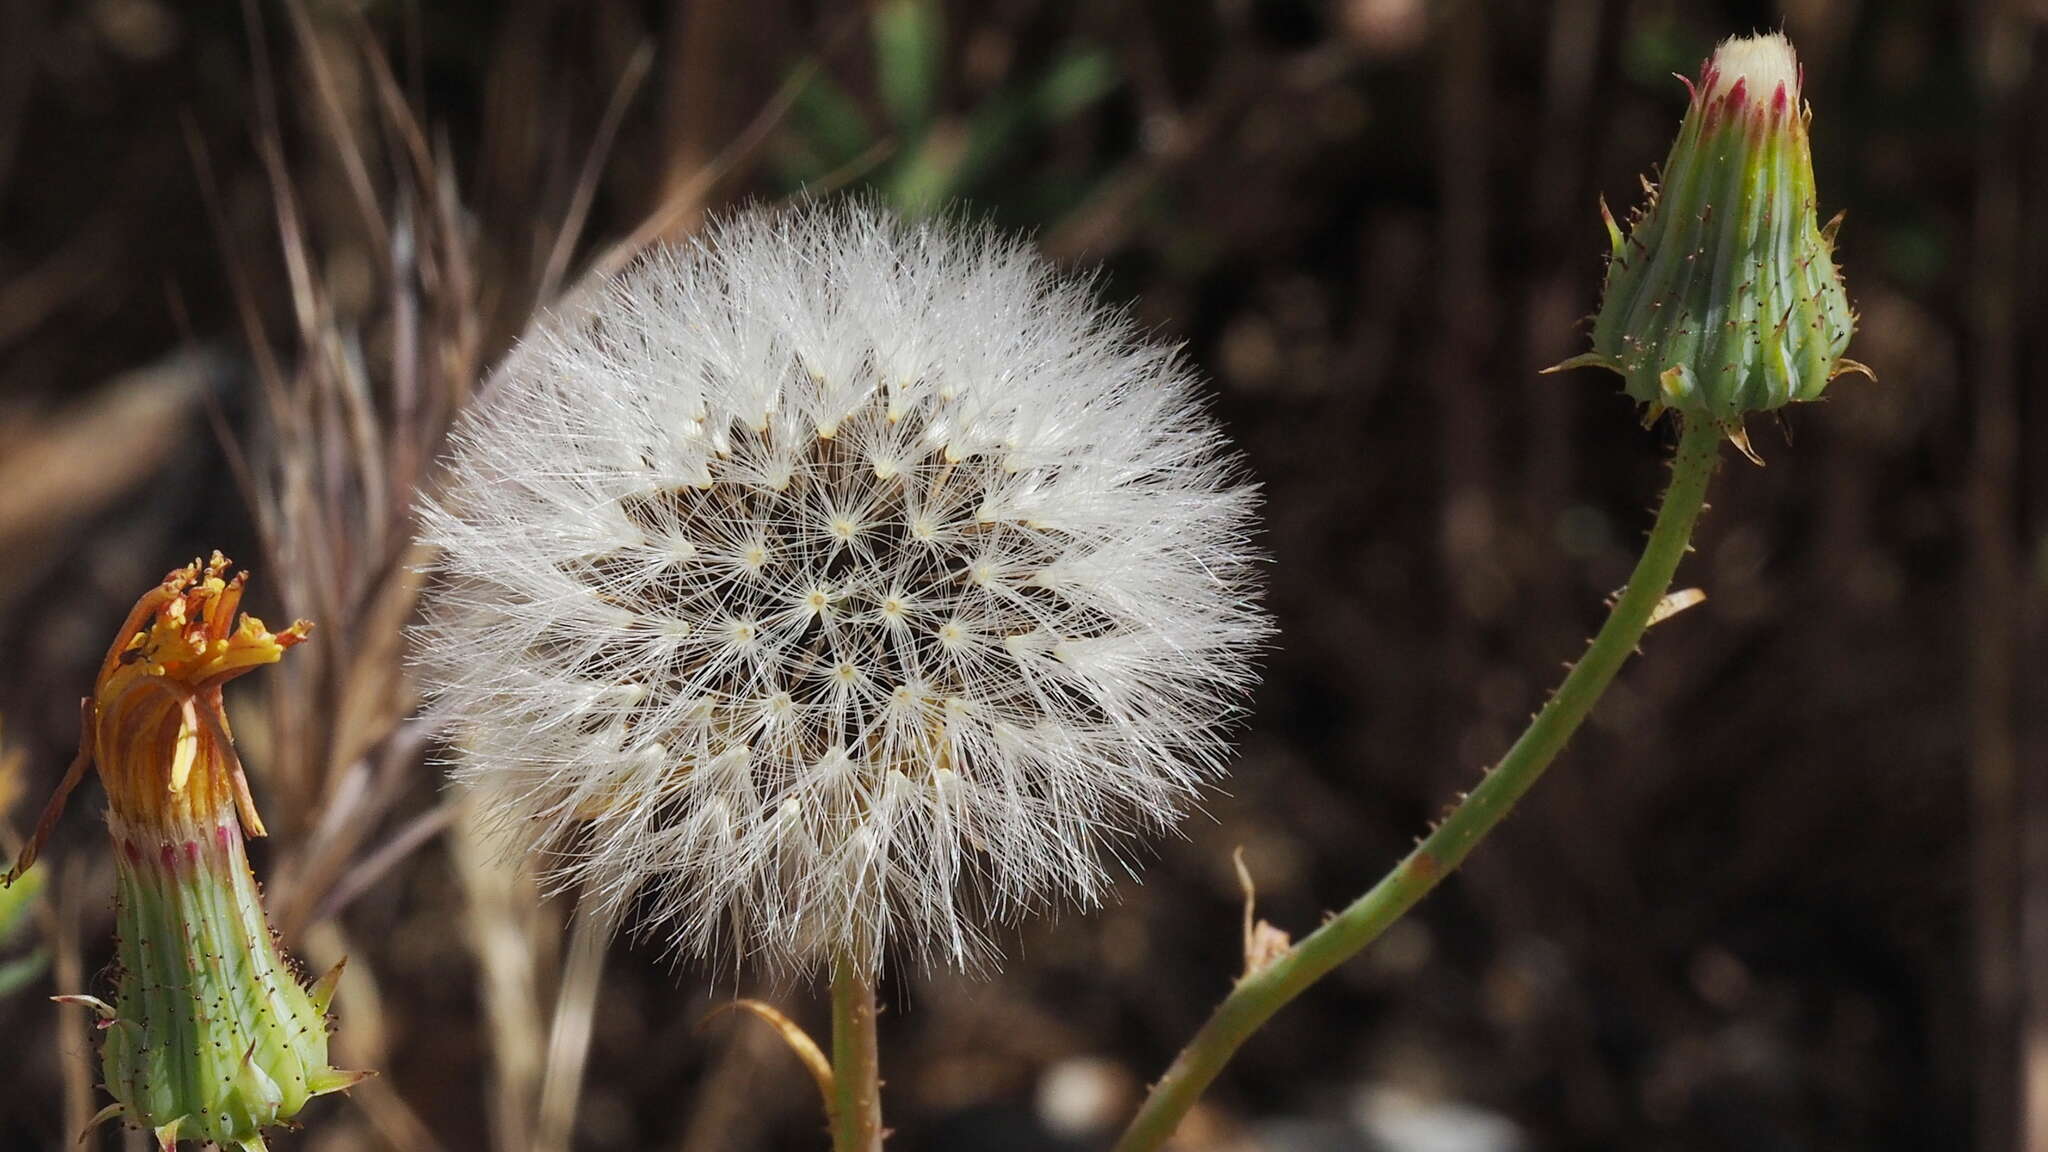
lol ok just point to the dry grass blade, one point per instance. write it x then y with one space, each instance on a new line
63 280
409 839
357 797
688 198
507 927
593 165
121 432
394 1120
340 127
350 413
61 917
569 1036
336 468
800 1044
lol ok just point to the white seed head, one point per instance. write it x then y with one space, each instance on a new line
835 585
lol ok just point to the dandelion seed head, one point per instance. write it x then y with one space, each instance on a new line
835 585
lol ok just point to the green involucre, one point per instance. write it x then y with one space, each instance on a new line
212 1036
1724 298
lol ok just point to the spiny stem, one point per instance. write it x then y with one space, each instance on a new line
1262 993
856 1106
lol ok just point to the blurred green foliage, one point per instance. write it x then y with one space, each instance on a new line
17 909
916 153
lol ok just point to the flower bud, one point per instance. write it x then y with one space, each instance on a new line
1724 299
212 1036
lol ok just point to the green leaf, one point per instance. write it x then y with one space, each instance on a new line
1078 79
17 901
18 974
928 177
909 43
828 120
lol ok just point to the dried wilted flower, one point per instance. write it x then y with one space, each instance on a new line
1724 298
843 585
211 1035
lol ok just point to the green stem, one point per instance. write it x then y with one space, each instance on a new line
856 1085
1258 995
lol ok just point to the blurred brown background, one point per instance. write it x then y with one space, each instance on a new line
1788 891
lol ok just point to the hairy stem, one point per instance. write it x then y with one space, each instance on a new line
1258 995
856 1106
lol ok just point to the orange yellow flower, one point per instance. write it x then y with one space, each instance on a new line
161 738
211 1036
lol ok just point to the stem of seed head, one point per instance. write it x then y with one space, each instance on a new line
856 1107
